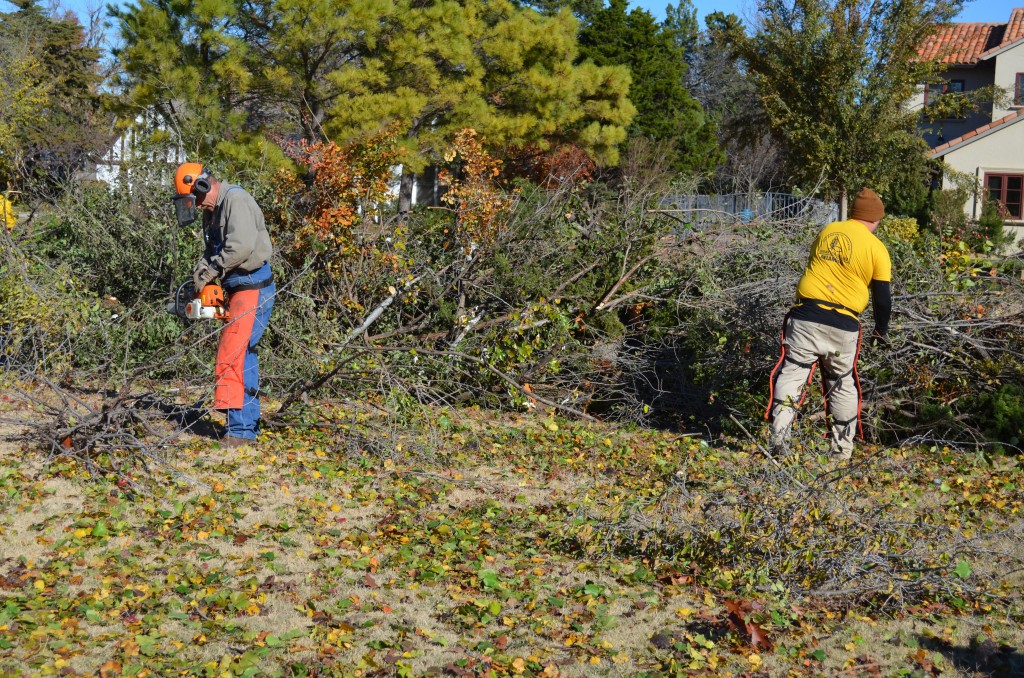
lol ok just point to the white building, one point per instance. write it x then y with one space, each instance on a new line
989 143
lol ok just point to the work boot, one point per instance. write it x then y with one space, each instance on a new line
234 442
839 454
778 446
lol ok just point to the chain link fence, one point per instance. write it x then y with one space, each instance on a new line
702 211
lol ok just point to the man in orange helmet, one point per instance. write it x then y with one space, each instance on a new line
237 251
823 328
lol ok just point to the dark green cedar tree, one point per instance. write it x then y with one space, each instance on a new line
655 56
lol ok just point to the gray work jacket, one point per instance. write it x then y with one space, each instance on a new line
235 232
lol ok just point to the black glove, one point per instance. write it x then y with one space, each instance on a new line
879 338
203 274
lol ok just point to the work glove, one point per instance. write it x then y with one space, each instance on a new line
203 274
879 339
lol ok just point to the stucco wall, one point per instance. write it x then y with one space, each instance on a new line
940 131
1000 151
1008 65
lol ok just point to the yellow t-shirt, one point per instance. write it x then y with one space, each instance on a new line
845 258
7 217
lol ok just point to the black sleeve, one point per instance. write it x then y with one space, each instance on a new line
881 297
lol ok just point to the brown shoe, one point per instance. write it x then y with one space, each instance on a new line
234 442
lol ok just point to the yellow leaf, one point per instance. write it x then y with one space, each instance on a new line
754 659
39 584
518 665
620 658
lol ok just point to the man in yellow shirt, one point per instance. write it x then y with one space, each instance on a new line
7 217
823 329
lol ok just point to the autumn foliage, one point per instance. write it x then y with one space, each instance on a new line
480 205
341 187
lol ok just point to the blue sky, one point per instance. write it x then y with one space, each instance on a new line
978 10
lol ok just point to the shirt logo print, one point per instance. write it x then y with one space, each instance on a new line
836 247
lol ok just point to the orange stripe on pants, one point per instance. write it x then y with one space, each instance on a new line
234 343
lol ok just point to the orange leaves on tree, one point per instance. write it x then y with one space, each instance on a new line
342 185
567 164
564 165
480 205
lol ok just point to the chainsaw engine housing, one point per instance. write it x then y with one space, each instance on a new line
210 304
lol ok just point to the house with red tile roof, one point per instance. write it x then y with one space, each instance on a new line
988 143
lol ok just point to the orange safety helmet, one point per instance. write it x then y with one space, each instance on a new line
190 178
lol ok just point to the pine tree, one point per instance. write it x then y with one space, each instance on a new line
51 121
342 69
506 72
185 67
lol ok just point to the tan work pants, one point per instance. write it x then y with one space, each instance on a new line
804 346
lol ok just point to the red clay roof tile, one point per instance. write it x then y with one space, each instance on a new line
937 151
1015 27
962 43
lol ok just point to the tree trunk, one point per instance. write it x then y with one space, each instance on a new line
405 190
844 206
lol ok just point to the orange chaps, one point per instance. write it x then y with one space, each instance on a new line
234 344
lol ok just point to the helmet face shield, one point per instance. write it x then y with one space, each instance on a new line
184 208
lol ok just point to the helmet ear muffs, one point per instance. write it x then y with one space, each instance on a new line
201 184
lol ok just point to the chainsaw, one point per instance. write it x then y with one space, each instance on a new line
210 304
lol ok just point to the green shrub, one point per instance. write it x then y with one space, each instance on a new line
120 243
1000 415
988 233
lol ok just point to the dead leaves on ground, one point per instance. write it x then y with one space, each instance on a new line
740 620
484 560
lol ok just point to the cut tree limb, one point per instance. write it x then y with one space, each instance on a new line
318 381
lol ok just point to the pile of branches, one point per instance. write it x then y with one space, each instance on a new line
582 295
951 373
393 312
